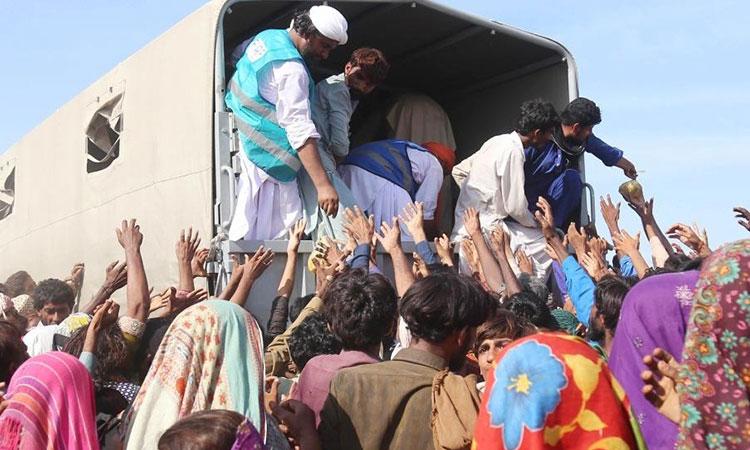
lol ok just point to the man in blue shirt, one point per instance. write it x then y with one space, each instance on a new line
552 171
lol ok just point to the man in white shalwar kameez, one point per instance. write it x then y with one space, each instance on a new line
270 95
492 181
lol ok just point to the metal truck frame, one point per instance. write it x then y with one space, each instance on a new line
152 139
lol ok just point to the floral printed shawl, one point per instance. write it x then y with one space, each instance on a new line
210 358
553 391
715 374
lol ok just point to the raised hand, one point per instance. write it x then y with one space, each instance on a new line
420 267
545 218
660 383
105 315
472 258
198 264
359 226
744 217
165 300
645 212
76 276
390 236
593 265
333 253
116 277
524 262
691 236
257 264
577 239
295 235
412 216
471 222
626 243
611 214
444 250
500 241
187 246
129 235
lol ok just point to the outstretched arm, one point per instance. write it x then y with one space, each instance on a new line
130 238
251 271
390 239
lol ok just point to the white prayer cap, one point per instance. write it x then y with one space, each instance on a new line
330 23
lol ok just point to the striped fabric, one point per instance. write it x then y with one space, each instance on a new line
210 358
51 406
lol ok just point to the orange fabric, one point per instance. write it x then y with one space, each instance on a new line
444 154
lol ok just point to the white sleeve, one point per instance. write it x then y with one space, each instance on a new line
509 170
428 172
287 85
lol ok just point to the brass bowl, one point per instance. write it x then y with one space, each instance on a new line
632 192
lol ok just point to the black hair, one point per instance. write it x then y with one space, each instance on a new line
12 350
608 296
503 324
537 114
529 306
440 268
153 334
53 291
303 25
682 263
439 305
582 111
360 308
111 352
297 305
15 285
310 339
214 429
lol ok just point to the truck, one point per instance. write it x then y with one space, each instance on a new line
152 139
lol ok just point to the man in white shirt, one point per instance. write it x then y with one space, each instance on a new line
385 176
270 95
492 182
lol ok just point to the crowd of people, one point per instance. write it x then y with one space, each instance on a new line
519 330
607 353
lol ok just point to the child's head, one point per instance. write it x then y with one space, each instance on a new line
366 69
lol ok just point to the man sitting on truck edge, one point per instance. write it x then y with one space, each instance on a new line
492 181
270 95
551 172
334 102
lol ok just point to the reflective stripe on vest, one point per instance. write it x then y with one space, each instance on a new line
259 108
264 140
273 149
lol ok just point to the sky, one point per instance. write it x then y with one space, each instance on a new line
670 77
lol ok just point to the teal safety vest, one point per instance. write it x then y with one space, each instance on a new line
264 141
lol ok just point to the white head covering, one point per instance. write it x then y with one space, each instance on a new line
330 23
40 339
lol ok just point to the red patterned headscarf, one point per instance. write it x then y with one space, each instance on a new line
554 391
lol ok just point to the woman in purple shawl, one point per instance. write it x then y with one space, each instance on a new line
654 314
